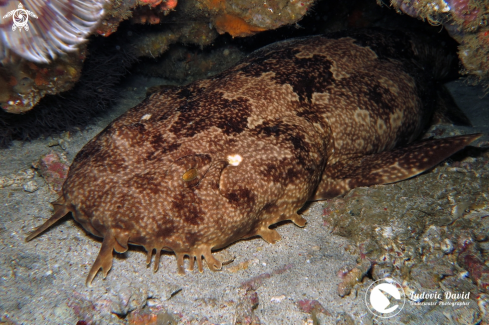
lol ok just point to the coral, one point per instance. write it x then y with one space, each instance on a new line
47 59
55 27
466 21
154 12
116 11
93 94
152 3
28 82
22 85
241 19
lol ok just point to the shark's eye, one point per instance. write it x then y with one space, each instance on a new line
190 175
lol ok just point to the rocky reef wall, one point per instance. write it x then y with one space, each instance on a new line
466 21
53 63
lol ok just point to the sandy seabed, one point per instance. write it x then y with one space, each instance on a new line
294 281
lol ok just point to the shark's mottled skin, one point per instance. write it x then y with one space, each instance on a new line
192 169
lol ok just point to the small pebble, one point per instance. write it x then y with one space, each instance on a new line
5 181
446 246
457 170
225 257
277 298
53 143
63 312
154 302
464 274
63 144
241 266
30 186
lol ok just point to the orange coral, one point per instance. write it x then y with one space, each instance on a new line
170 4
166 5
235 26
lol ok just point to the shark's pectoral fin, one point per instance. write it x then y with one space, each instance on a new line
388 166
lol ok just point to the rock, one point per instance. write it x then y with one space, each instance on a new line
53 167
126 299
352 277
470 259
245 307
30 186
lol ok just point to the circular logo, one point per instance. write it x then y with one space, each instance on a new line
385 298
